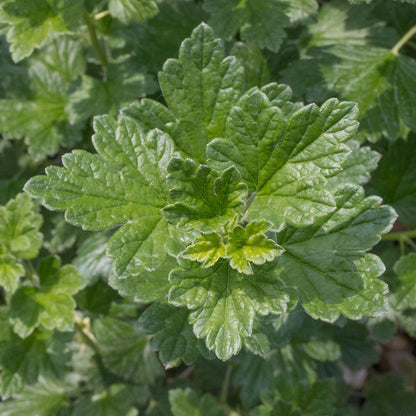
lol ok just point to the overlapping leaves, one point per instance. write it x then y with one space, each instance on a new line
19 239
354 56
231 180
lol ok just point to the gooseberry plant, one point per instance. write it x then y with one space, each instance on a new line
216 255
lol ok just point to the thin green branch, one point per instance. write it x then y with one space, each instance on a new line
225 385
94 40
406 37
100 15
86 336
400 236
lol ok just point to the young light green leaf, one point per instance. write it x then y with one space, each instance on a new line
189 403
125 184
327 264
127 10
19 227
50 305
173 336
224 302
250 245
204 199
200 89
207 249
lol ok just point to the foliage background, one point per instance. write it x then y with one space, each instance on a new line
88 350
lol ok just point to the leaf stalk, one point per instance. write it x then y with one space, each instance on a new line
86 336
400 235
94 40
225 385
405 38
101 15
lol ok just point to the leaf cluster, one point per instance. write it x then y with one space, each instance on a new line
238 234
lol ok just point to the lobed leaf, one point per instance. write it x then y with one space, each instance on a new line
203 198
50 305
224 302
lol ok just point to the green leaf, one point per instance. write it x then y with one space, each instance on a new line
200 89
127 10
22 361
358 64
161 36
125 351
357 167
40 115
10 272
289 176
51 304
256 71
394 178
173 337
405 295
29 25
114 401
261 22
370 300
19 227
340 23
207 249
224 302
358 350
327 263
46 398
386 395
188 402
91 260
125 184
249 244
300 10
126 79
203 199
145 286
306 399
323 350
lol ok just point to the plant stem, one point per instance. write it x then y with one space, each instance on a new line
403 40
100 15
30 271
94 40
225 384
400 236
86 336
